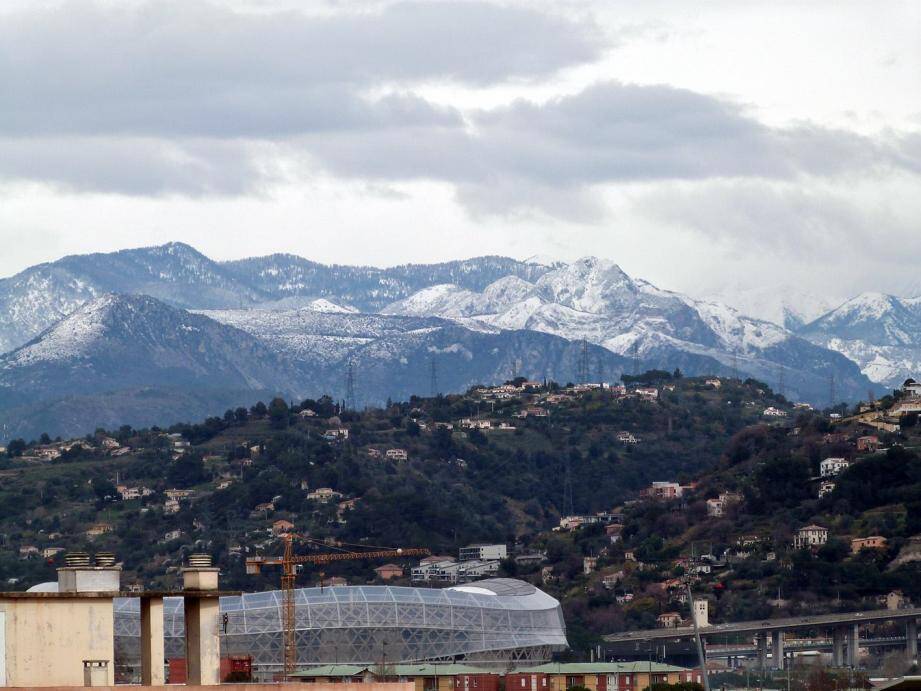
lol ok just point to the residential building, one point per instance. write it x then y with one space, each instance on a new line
374 453
871 542
832 466
27 551
663 490
715 383
282 526
648 393
810 537
469 423
483 552
771 411
338 434
99 529
450 571
397 454
51 552
589 564
826 487
171 506
172 535
307 412
627 438
714 508
911 388
668 620
389 571
324 494
868 444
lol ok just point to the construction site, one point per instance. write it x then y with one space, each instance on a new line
85 630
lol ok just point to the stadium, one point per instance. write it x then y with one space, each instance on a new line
491 622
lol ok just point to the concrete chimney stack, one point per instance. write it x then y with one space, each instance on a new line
79 576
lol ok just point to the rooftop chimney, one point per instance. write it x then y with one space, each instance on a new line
200 574
79 576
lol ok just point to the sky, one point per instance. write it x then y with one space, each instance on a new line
705 146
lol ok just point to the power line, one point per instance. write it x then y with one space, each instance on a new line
350 387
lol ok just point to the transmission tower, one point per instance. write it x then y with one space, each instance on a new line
635 350
780 380
350 387
582 364
735 363
600 364
832 394
434 377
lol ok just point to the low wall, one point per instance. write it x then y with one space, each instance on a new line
317 686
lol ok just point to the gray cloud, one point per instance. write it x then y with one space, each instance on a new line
865 233
138 166
530 155
192 98
192 68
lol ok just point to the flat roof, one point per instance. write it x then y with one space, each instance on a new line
112 594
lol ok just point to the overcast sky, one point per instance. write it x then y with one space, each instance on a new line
701 145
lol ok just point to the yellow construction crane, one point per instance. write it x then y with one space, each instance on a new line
289 562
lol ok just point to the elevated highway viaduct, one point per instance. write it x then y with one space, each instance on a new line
841 635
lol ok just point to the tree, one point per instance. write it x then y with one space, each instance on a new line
278 413
16 448
188 470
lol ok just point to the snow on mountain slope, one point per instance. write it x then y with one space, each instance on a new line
121 342
595 300
318 337
785 305
880 332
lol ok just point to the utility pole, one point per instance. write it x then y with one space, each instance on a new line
702 658
350 387
582 367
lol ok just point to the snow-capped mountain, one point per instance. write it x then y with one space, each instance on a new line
179 275
786 305
301 323
285 277
596 300
114 346
135 360
881 333
175 273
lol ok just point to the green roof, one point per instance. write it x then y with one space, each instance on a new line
601 668
430 669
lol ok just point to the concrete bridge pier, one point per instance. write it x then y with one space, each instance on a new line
911 639
762 651
837 649
777 654
853 643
